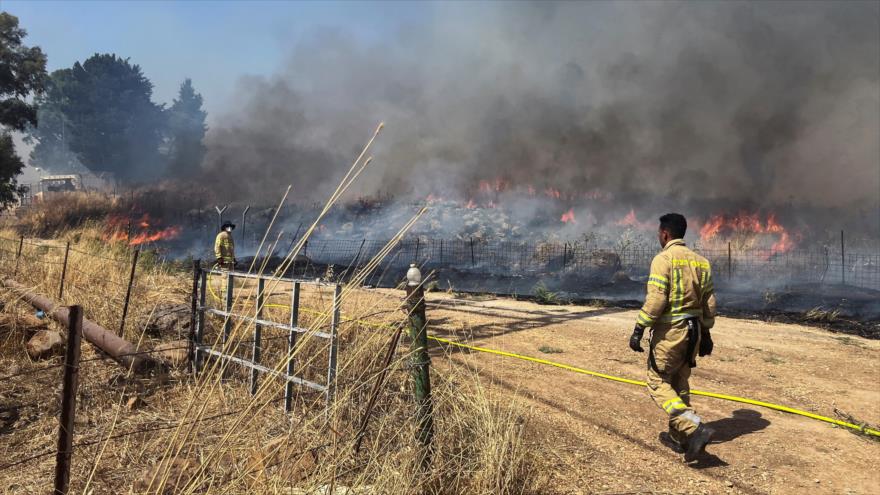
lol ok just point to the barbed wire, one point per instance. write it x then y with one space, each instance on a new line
107 258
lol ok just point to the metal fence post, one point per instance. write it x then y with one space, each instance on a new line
18 254
244 224
729 262
227 323
63 271
421 362
258 333
377 385
334 327
200 321
194 308
220 216
473 261
291 344
842 260
134 262
68 400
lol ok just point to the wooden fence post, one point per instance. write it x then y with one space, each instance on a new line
63 271
473 262
421 363
134 262
68 401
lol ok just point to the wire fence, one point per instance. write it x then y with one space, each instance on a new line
43 267
511 258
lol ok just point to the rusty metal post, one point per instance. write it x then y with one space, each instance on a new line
194 309
291 344
68 400
258 334
134 261
420 362
374 394
63 271
200 318
18 254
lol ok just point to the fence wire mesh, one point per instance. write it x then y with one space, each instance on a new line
798 266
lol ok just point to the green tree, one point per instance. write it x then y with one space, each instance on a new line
51 135
186 131
22 73
110 120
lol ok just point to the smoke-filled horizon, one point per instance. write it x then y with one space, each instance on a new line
753 104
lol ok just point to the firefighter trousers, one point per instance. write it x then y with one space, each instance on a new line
668 372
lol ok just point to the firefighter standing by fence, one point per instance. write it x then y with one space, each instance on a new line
680 309
224 247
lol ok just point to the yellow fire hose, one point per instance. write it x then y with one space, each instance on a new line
732 398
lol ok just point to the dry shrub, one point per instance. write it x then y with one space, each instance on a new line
64 211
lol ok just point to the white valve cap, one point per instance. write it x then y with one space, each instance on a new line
413 275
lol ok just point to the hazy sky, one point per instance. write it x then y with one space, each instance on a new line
212 42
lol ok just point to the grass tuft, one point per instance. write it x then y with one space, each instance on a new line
543 295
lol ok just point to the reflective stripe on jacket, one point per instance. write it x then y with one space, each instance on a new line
224 247
679 287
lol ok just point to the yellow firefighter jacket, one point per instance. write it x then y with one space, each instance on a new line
224 247
679 287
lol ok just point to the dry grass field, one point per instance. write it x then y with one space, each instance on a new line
171 432
502 425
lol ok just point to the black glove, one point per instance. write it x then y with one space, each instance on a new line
706 344
635 342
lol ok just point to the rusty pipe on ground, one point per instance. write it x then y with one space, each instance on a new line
122 351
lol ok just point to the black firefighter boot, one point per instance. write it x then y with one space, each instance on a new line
697 442
668 439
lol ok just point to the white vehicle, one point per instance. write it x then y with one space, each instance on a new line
60 183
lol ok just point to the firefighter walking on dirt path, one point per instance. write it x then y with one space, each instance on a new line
679 309
224 247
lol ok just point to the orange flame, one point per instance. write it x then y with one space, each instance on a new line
749 223
568 217
630 220
119 226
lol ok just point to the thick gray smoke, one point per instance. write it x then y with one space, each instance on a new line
741 103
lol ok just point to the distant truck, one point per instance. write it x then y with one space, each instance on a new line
60 183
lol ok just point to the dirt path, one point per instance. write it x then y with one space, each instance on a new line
604 434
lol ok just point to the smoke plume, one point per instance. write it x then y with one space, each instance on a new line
740 103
